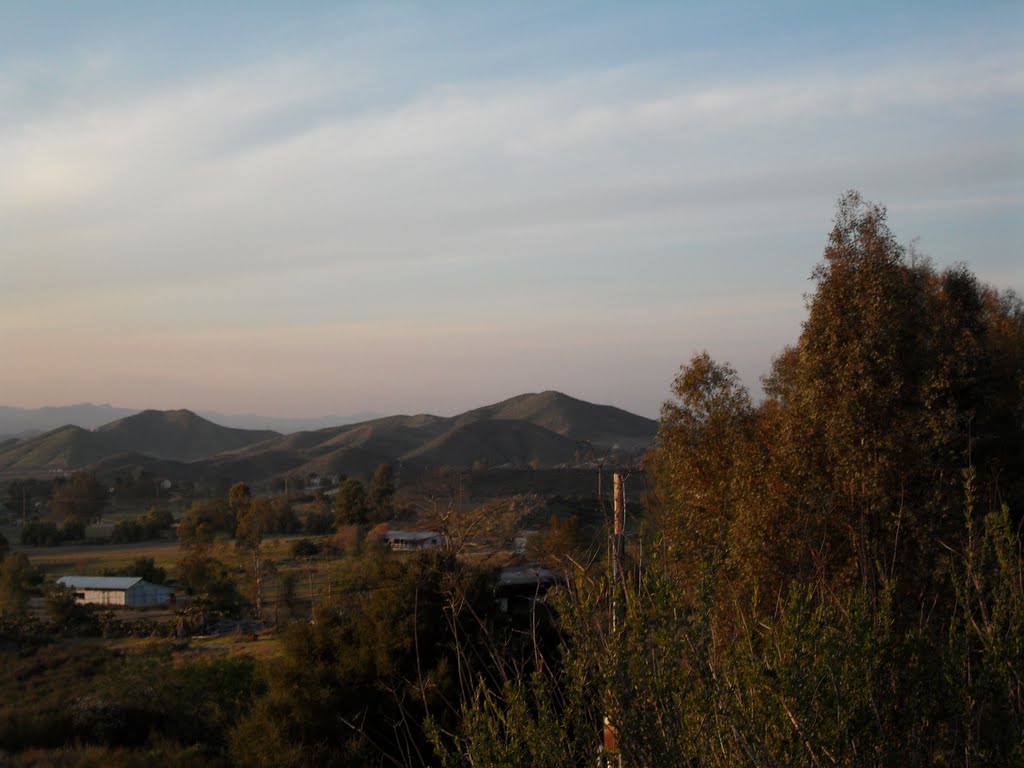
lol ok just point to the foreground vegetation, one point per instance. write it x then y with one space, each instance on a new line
86 704
835 574
832 576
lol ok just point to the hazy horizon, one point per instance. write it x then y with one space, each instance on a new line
348 416
403 208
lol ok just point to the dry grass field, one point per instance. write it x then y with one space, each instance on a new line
94 559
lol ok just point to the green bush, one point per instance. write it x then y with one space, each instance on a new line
42 533
151 525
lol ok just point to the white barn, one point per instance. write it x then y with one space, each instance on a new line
120 591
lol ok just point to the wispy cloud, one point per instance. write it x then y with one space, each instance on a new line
267 161
289 194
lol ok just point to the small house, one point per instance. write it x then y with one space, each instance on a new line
410 541
118 591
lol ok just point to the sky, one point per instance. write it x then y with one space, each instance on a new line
398 207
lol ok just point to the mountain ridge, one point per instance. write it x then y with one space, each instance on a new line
547 428
162 435
25 423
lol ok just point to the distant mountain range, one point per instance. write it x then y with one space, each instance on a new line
547 429
28 422
21 422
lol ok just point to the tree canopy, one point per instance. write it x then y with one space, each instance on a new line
382 493
82 496
902 377
18 579
350 505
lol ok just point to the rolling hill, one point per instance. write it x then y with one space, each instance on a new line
67 446
601 425
494 443
547 429
178 435
541 429
166 435
30 422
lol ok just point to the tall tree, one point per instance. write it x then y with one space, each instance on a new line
17 581
202 521
350 506
698 460
252 524
896 387
239 497
82 497
851 467
382 493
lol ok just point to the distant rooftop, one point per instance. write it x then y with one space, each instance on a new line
411 535
115 583
519 575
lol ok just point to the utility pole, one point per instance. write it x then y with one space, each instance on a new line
619 528
618 547
611 733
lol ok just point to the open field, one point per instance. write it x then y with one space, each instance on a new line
262 645
86 559
91 559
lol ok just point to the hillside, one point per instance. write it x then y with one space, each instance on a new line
494 443
165 435
547 428
578 420
178 435
66 447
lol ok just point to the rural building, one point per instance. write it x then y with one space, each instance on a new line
123 591
520 586
408 541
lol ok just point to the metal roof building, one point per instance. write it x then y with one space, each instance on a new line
520 586
122 591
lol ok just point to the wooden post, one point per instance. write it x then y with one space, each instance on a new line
610 734
619 530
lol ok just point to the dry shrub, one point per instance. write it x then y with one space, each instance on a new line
347 540
375 536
